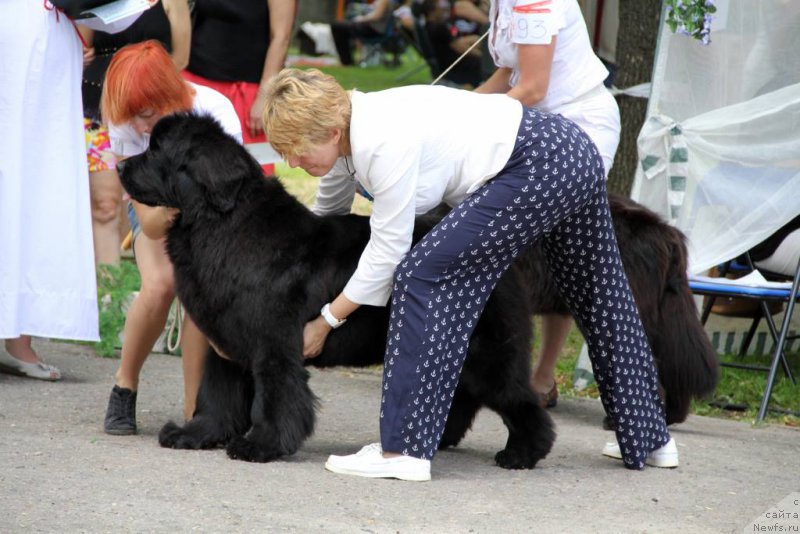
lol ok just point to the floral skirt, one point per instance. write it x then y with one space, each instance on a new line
98 147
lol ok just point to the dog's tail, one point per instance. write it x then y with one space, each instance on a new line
688 365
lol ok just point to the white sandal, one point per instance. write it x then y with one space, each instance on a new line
38 370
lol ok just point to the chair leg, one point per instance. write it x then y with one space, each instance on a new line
779 355
707 309
749 337
773 330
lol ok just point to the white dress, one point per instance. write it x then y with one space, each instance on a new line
47 274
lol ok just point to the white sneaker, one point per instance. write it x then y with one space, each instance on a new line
666 456
369 462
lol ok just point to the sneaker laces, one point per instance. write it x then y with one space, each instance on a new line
370 449
122 405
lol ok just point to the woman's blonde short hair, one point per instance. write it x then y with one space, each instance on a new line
303 107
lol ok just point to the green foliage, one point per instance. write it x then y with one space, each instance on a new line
690 17
737 396
739 393
114 285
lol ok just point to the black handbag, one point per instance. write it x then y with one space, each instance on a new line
74 8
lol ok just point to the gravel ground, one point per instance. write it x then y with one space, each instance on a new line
60 473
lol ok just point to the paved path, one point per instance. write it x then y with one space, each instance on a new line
60 473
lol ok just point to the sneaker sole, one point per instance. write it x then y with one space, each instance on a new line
411 477
669 462
666 463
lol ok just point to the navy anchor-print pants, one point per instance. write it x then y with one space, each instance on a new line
552 188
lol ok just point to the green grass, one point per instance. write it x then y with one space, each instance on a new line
736 386
114 285
381 77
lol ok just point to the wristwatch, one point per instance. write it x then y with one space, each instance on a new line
329 318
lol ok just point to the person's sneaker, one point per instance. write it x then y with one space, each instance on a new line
121 413
666 456
369 462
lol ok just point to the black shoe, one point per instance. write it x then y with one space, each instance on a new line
121 412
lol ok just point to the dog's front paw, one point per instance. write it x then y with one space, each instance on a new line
517 459
241 448
190 436
171 436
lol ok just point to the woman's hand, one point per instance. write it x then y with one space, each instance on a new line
88 55
314 335
155 221
254 123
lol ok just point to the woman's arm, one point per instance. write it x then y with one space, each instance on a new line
281 20
379 7
316 332
180 25
88 40
468 10
535 63
462 44
498 82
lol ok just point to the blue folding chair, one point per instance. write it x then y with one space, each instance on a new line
721 287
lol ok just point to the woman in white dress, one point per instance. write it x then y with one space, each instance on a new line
47 276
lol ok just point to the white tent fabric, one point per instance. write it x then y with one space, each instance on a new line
720 150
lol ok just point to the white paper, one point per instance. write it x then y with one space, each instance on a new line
263 153
116 10
753 279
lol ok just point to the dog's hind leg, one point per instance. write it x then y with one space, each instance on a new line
459 421
282 411
223 405
531 433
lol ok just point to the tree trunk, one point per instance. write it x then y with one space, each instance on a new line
636 47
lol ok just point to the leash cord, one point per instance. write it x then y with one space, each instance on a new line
175 324
454 63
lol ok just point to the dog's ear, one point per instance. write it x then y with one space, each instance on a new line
220 173
223 197
186 191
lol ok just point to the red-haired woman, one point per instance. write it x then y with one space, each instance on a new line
141 86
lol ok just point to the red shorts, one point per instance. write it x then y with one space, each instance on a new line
242 95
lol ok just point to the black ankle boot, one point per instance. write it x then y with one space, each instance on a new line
121 412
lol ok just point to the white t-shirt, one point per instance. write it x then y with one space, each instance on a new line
413 148
126 142
576 70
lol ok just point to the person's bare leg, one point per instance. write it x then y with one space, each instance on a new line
147 314
106 193
554 334
194 348
21 349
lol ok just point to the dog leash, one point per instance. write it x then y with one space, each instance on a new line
459 58
176 326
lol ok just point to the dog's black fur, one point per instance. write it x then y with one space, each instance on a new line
253 265
253 275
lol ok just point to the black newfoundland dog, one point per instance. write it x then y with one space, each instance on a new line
253 265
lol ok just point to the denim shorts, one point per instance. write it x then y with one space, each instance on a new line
134 222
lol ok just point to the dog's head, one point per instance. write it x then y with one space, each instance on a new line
191 164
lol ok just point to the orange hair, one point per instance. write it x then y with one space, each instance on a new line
142 77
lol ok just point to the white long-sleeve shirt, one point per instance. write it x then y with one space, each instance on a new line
413 148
